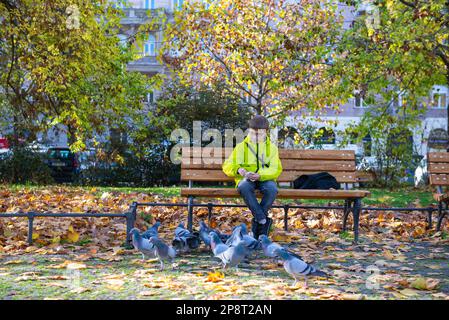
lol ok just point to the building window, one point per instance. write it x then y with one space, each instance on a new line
117 136
177 4
246 98
358 100
367 145
150 46
207 4
123 40
150 4
150 97
120 4
439 97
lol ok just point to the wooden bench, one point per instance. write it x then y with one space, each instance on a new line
205 165
438 169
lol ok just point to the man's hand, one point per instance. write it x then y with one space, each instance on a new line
252 176
242 172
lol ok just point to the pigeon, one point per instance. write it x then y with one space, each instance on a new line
237 236
297 267
269 247
152 232
163 251
181 231
244 228
143 245
184 239
216 244
233 255
204 233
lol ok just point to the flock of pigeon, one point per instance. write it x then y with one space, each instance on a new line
230 249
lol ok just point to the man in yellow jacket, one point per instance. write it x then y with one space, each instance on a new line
255 164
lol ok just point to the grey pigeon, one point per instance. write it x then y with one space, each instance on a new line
184 239
238 236
216 244
143 245
269 247
152 232
205 230
233 255
297 267
163 251
204 233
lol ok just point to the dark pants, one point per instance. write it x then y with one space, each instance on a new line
269 190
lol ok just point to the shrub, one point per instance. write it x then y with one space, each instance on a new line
24 165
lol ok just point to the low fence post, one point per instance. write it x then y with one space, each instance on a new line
30 216
286 207
131 216
209 212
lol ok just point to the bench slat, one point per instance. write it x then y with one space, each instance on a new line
287 164
282 193
438 157
286 176
439 167
439 179
208 152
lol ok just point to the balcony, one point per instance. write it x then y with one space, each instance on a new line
146 64
137 16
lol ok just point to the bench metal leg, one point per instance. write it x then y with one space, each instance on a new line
356 214
190 213
347 209
441 213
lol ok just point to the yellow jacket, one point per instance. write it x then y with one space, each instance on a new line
268 165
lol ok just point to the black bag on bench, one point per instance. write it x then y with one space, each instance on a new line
322 180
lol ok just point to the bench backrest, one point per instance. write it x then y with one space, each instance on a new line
438 168
205 164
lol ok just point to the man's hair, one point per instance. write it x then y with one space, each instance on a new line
258 122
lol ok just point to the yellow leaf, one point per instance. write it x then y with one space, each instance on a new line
115 284
387 254
76 266
350 296
409 292
13 262
147 293
215 276
56 239
72 235
424 284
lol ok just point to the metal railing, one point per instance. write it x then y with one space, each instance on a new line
131 214
130 217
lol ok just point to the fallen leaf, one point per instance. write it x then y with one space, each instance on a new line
424 284
215 276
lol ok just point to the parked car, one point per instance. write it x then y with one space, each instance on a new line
63 164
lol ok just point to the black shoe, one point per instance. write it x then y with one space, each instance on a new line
265 228
254 228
